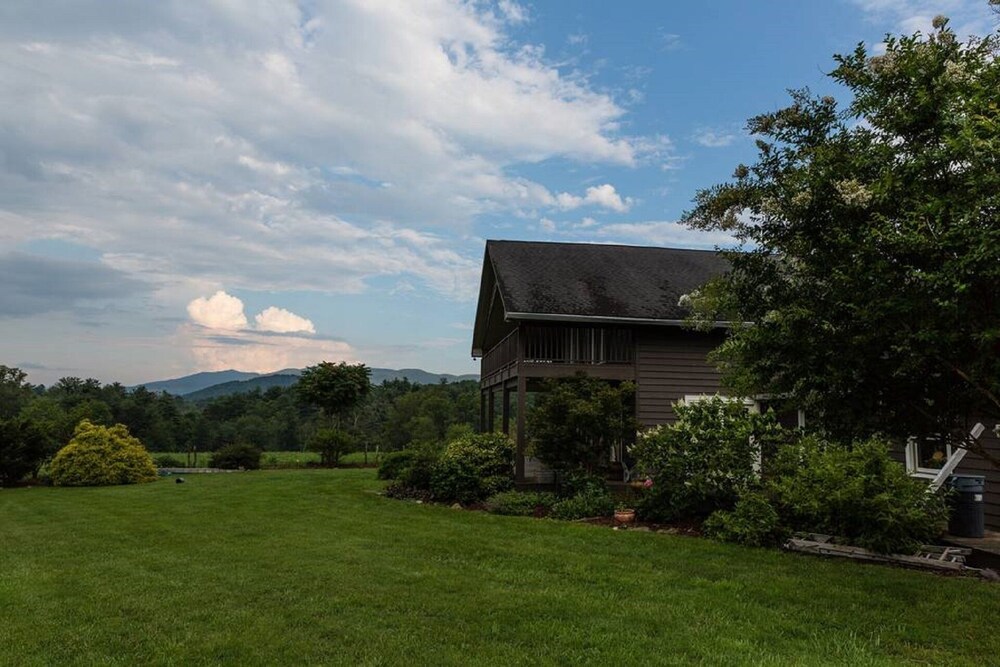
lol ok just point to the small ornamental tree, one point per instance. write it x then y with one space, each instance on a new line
870 293
706 459
576 422
23 448
101 456
334 389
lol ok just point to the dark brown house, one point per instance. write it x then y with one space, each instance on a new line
614 312
554 309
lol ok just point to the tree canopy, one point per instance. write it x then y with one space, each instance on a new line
868 286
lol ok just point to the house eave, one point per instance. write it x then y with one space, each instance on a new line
606 319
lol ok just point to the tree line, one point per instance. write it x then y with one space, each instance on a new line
389 416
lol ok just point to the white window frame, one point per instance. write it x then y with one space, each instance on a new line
913 459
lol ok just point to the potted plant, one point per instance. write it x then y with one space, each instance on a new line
624 514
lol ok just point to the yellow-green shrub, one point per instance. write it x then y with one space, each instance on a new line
101 456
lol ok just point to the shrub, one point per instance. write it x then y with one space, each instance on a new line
331 443
753 522
473 468
236 456
23 448
394 463
857 493
704 461
168 461
100 456
584 506
576 421
519 503
580 482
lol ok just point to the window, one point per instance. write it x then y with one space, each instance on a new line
926 455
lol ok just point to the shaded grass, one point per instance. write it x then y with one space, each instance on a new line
314 566
289 459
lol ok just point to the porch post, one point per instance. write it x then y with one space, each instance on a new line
489 411
519 459
505 411
482 411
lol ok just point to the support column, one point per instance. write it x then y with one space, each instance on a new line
522 391
505 411
482 411
489 411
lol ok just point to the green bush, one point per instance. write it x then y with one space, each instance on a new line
474 468
753 522
705 460
859 494
331 443
579 482
101 456
520 503
237 456
23 448
576 421
168 461
584 506
394 463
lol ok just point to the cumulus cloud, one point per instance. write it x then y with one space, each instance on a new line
665 233
261 353
713 138
604 196
219 311
280 320
968 17
313 146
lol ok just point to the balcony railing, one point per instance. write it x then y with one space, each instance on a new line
577 345
561 345
501 355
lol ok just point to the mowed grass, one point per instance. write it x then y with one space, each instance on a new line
313 566
277 459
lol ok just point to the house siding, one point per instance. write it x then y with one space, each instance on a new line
670 364
974 464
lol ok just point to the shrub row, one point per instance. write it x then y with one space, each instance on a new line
756 482
469 469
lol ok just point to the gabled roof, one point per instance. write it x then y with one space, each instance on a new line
589 282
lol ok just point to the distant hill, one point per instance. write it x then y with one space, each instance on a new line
196 382
263 383
202 386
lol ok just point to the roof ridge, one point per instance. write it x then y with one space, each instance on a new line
599 245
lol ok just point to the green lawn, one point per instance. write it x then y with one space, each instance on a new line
278 459
312 566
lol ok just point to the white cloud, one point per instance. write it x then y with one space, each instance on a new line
280 320
261 353
604 196
251 147
665 233
547 225
968 17
220 311
713 138
586 223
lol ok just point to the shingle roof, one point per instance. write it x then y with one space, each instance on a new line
589 280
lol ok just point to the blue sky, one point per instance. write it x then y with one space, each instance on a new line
201 186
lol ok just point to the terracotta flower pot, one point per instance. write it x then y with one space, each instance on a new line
624 517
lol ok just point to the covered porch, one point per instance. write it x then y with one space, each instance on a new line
516 366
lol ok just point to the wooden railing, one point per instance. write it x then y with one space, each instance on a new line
578 345
501 355
561 345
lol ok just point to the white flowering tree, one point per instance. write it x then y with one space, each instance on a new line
871 285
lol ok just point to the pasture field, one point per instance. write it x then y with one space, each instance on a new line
279 459
313 566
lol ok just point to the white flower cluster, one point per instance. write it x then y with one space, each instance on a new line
853 193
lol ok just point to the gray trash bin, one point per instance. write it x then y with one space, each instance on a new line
967 519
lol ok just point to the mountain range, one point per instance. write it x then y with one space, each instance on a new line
200 386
